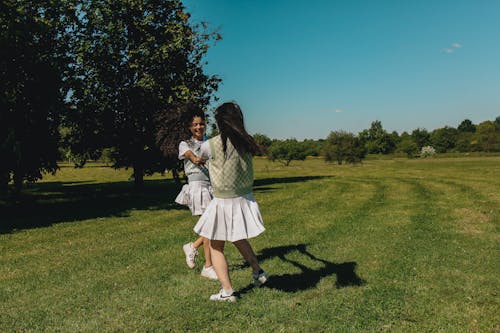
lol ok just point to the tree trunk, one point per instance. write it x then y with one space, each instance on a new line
138 177
18 181
4 181
175 174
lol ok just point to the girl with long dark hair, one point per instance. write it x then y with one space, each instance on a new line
233 214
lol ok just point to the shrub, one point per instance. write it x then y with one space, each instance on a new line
427 151
342 146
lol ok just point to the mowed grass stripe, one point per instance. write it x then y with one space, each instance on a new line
353 225
436 257
374 234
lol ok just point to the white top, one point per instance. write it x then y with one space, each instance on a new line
193 172
184 147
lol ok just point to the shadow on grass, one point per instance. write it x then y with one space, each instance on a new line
44 204
271 181
308 278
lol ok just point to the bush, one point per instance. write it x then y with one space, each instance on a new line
427 151
286 151
408 146
342 146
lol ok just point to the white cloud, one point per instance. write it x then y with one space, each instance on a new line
334 110
452 48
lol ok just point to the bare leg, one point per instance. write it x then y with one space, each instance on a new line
197 243
208 256
247 252
206 247
220 264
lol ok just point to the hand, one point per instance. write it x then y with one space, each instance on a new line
198 160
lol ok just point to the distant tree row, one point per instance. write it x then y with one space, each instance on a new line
341 146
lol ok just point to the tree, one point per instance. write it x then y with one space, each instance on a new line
341 146
421 137
465 141
487 136
34 70
376 140
137 61
395 138
466 126
263 141
313 147
408 146
286 151
444 139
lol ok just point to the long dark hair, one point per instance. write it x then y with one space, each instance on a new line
229 120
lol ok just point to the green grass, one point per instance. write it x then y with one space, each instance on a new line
390 245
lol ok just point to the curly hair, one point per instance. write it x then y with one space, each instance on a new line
173 127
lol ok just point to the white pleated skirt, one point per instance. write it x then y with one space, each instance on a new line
196 195
231 219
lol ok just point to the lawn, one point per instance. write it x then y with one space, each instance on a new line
389 245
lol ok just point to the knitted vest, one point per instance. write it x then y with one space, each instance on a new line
231 175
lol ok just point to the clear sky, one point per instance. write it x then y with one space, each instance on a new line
304 68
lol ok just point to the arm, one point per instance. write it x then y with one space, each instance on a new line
185 152
193 158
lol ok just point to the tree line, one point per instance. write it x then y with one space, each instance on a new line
342 146
81 77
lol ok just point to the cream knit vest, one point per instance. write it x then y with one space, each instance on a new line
231 175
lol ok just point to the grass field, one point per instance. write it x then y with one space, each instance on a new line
390 245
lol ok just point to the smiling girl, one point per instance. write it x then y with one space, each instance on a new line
197 194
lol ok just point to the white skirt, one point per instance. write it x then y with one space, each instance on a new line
196 195
231 219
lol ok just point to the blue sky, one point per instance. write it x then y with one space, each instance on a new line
305 68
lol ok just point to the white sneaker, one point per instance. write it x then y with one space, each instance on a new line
190 253
222 297
260 279
209 272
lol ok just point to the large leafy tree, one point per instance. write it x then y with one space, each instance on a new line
465 136
34 70
421 137
286 151
466 126
497 123
444 139
488 136
407 145
137 60
342 146
376 139
263 141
